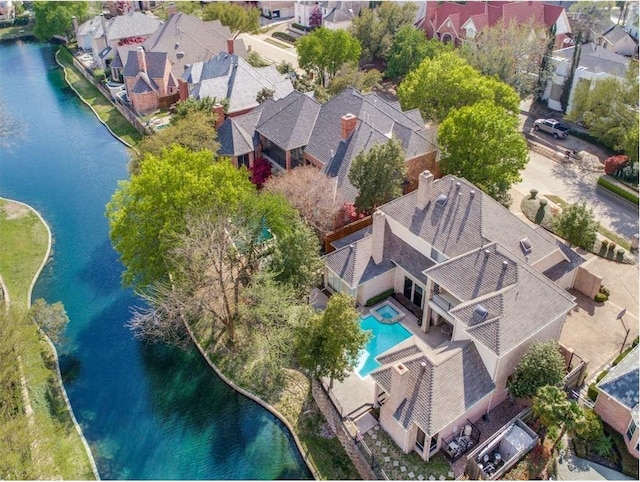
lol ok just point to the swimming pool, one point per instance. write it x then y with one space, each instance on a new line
387 312
385 336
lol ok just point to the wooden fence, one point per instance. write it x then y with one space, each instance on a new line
345 231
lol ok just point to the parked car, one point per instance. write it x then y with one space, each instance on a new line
552 126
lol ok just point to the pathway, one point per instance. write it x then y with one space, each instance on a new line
576 468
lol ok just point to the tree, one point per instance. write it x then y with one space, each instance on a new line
588 17
541 365
448 82
195 132
254 59
315 18
376 29
329 343
631 147
260 171
264 94
311 192
481 143
54 18
591 429
410 47
148 212
553 409
512 54
378 174
233 15
349 75
184 108
577 225
52 319
324 51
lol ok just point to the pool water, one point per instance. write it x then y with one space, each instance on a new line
384 336
387 311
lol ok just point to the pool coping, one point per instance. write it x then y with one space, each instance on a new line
389 321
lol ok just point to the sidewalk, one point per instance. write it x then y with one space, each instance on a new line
575 468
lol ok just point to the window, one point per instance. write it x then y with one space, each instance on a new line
434 443
631 430
408 288
243 160
337 285
417 295
420 438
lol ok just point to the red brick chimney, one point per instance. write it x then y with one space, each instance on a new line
230 45
218 110
183 90
348 125
142 61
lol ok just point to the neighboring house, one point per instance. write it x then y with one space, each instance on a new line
491 282
617 401
595 63
276 9
619 41
335 15
227 76
7 10
296 130
148 78
458 23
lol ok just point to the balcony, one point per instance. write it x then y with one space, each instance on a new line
444 301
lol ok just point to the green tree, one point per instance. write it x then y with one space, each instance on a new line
631 147
481 143
410 47
554 409
233 15
254 59
324 51
378 174
512 54
264 94
54 18
541 365
376 29
577 225
349 75
196 131
448 82
147 212
329 343
191 105
591 429
52 319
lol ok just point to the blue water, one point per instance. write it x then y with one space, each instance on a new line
384 336
148 412
387 311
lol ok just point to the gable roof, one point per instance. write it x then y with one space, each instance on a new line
622 382
156 64
88 27
133 24
443 384
237 135
595 58
144 84
227 76
341 11
188 40
615 34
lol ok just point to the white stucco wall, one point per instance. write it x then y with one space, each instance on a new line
375 286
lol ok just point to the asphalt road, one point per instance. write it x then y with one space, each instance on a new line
576 182
270 51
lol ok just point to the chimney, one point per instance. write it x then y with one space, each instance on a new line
104 28
218 110
230 45
377 240
399 383
74 21
172 9
183 89
142 60
348 125
425 180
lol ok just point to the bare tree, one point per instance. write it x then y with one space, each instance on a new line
312 193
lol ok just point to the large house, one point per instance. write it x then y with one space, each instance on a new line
617 40
492 283
617 401
462 22
296 130
595 63
335 15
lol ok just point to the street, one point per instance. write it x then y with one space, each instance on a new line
270 51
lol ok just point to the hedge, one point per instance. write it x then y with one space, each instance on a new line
601 297
614 188
299 26
592 392
284 36
585 136
382 296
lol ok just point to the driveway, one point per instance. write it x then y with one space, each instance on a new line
269 51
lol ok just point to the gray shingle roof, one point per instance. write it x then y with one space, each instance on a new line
354 264
237 134
622 381
156 64
188 40
134 24
453 380
144 84
615 33
87 28
596 59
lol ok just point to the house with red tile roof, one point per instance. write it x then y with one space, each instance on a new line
457 23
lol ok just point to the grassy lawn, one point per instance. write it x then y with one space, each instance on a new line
107 112
9 33
545 215
45 445
282 45
292 398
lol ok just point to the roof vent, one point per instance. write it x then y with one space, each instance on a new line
351 246
423 364
480 312
472 193
505 264
441 200
177 45
525 244
179 54
458 186
487 252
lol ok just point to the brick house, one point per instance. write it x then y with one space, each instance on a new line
458 23
476 274
296 130
617 402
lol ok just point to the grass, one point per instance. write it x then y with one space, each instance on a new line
278 44
604 182
105 109
55 448
9 33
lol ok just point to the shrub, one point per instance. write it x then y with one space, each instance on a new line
376 299
603 445
620 253
592 392
601 375
619 358
604 290
577 224
606 184
284 36
254 59
605 243
601 297
543 203
612 246
591 428
534 193
99 75
541 365
260 171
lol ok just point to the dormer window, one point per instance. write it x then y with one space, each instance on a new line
525 244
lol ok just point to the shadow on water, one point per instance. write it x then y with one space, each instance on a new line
103 282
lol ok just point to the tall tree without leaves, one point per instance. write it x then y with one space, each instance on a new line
54 18
238 18
481 143
378 175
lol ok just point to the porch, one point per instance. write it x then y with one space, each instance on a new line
283 159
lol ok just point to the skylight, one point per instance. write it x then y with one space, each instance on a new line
441 200
525 244
480 312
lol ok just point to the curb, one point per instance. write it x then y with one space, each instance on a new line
51 345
